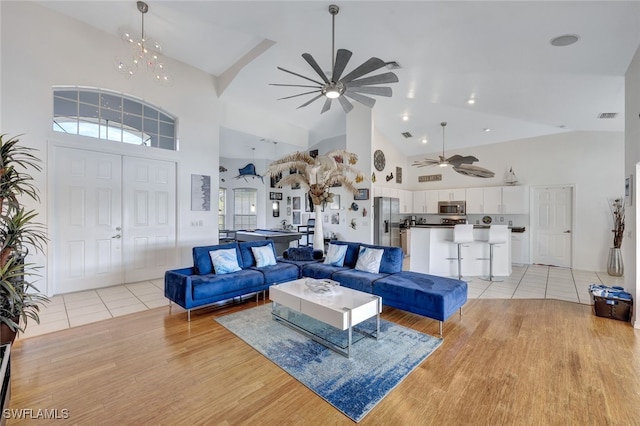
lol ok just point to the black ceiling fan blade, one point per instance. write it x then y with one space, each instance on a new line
294 85
342 59
307 57
474 171
426 162
365 100
379 91
387 77
300 75
301 94
368 66
326 106
346 105
457 160
309 101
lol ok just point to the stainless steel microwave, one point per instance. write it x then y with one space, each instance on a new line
450 208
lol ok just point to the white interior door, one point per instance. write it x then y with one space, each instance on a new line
113 219
87 219
551 224
149 217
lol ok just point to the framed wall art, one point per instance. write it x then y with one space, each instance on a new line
363 194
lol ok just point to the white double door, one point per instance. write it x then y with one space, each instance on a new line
114 219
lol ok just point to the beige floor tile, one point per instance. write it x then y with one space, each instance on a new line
81 295
87 310
156 303
140 289
89 318
45 326
114 297
117 312
122 303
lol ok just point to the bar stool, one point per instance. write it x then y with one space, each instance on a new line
498 234
462 234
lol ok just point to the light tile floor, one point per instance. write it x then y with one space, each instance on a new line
525 282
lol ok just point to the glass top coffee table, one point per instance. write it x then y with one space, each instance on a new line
328 317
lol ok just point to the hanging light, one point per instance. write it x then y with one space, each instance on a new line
145 53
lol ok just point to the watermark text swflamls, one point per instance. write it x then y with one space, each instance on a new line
36 413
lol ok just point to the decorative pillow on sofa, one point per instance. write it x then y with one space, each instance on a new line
300 253
264 256
369 260
224 261
335 255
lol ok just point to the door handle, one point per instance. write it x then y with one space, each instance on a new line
568 231
116 236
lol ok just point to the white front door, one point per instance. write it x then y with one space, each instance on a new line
149 217
87 252
551 222
113 219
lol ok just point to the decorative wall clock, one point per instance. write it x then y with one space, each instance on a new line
379 160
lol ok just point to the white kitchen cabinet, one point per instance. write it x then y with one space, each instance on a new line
451 194
475 200
515 199
431 200
419 202
406 201
492 200
520 248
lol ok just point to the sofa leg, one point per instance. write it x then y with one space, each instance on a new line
189 316
460 312
440 327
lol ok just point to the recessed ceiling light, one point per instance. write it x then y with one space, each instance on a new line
565 40
424 140
405 117
486 129
471 101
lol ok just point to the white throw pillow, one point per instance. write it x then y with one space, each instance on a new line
224 261
264 256
336 254
369 260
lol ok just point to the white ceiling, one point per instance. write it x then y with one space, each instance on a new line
496 52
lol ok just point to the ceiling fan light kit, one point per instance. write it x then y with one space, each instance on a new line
338 87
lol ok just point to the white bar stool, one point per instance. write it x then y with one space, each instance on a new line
462 234
498 234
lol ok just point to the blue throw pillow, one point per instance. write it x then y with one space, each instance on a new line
369 260
300 253
264 256
224 261
335 255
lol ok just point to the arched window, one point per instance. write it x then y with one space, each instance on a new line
111 116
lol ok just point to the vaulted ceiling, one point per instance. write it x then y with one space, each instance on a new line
497 53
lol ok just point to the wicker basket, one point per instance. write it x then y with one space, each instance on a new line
613 308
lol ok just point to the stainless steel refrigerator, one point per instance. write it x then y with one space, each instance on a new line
386 221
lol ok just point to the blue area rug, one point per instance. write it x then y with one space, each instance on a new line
354 386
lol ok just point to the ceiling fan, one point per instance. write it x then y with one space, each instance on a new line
461 164
338 87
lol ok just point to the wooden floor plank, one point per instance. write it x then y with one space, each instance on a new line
533 362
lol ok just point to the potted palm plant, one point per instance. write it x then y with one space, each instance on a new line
20 300
318 175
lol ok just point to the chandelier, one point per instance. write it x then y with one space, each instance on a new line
145 53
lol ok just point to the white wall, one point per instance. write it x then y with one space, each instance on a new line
592 161
394 158
41 49
630 250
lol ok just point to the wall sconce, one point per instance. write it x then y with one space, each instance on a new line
276 208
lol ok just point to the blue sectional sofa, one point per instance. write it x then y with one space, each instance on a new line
428 295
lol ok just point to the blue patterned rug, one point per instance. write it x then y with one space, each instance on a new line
354 386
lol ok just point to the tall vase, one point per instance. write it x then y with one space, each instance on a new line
318 235
615 267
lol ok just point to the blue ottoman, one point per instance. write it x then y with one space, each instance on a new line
429 295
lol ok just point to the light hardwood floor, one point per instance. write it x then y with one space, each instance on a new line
505 362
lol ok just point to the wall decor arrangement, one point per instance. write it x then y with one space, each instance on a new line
389 176
335 219
200 193
628 190
288 211
249 171
335 204
275 195
296 203
275 179
398 174
295 220
363 194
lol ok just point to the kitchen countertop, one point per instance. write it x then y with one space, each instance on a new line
516 229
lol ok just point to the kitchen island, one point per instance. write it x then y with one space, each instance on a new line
433 252
281 239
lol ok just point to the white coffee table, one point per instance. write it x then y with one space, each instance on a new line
343 308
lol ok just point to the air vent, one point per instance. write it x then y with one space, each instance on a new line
607 115
407 135
393 65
